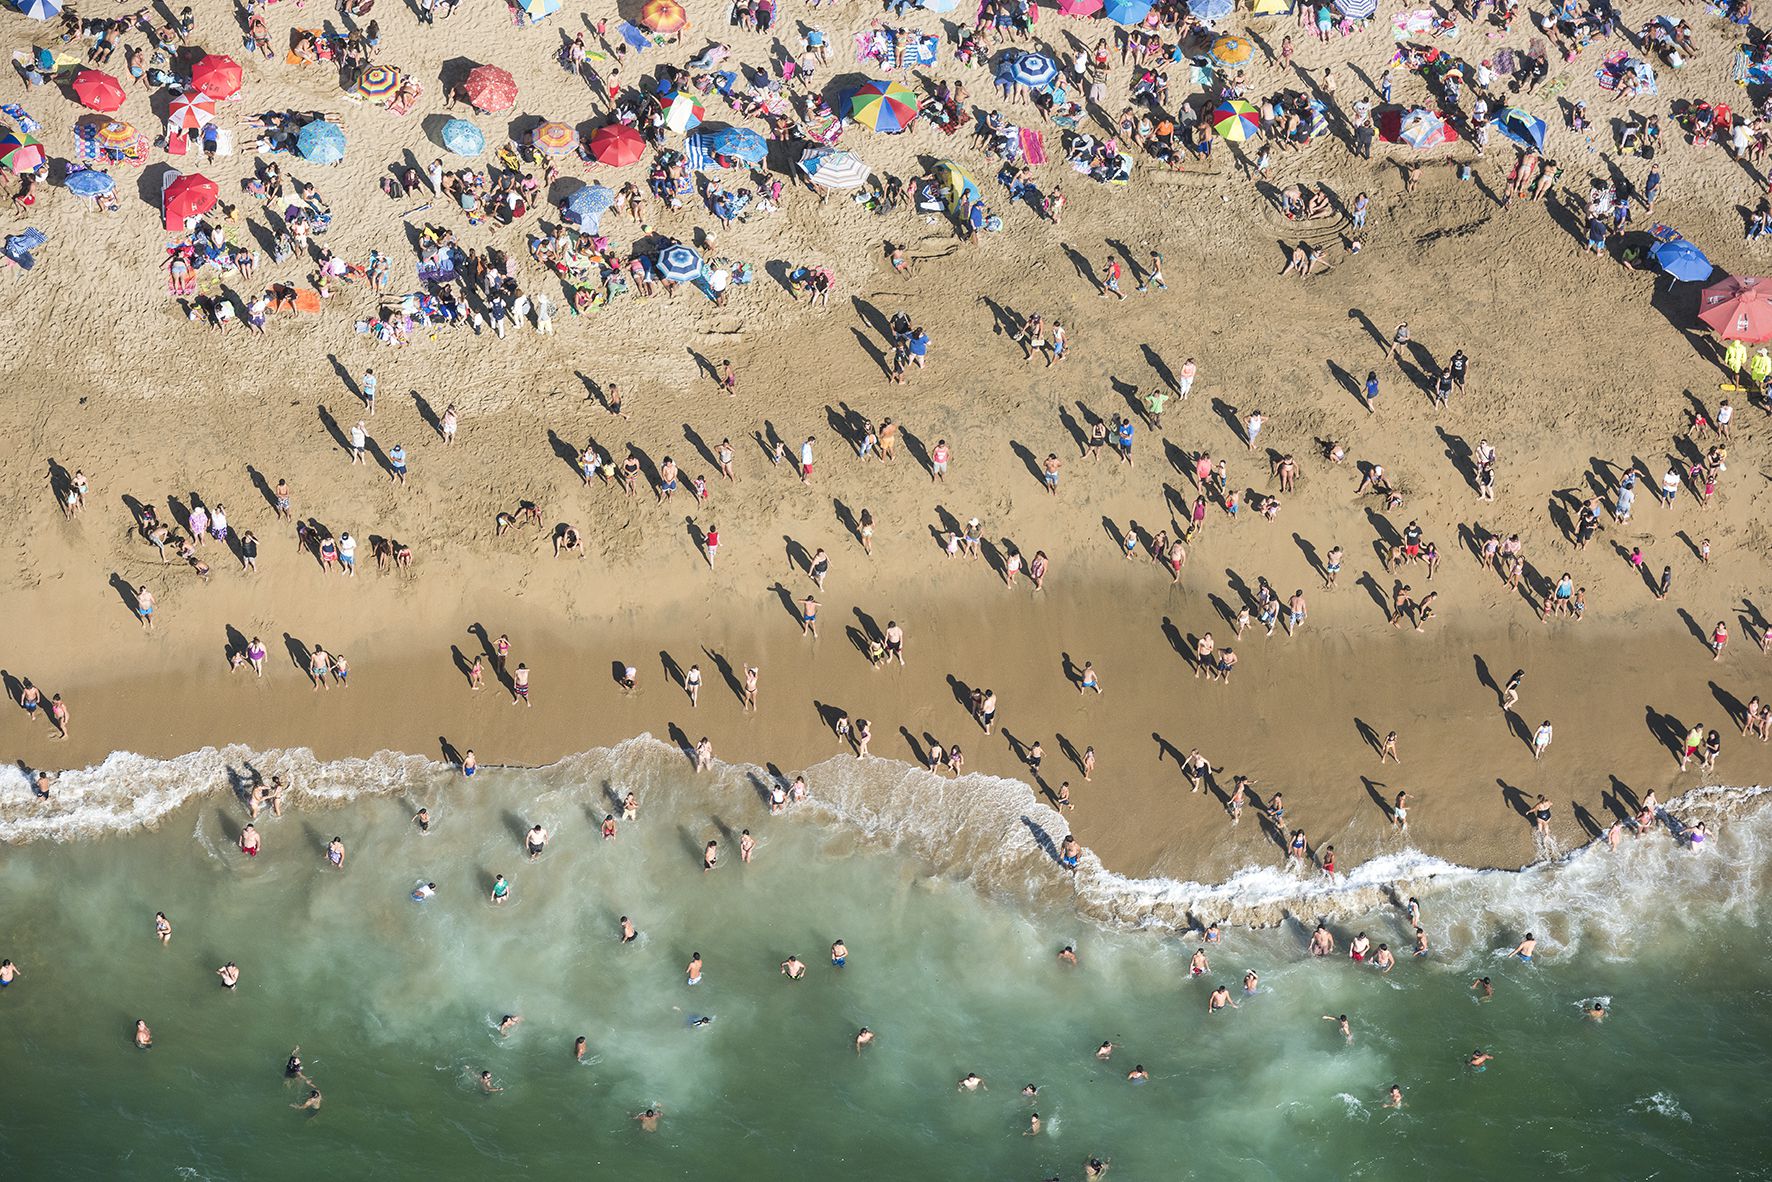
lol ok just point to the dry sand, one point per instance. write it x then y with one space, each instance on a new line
1577 367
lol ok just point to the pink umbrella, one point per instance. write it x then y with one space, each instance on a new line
191 110
1079 7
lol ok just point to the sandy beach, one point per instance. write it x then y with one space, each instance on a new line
1578 368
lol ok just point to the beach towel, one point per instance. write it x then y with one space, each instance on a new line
634 36
17 114
1033 147
915 49
1612 70
307 300
20 246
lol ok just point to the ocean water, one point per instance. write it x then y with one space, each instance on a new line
953 911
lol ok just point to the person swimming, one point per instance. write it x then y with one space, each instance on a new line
423 891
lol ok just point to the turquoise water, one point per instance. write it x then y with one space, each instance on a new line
953 914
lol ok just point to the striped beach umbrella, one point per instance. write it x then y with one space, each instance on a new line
537 10
463 138
116 135
1236 120
217 76
883 106
1232 52
21 152
834 169
191 110
378 82
683 114
98 90
617 145
321 142
1357 10
679 264
1126 12
554 139
41 10
490 89
664 16
1032 69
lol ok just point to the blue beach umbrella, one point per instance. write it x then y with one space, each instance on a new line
1525 130
1213 11
89 182
679 264
463 138
587 206
1126 12
537 10
1031 69
321 142
41 10
735 143
1682 261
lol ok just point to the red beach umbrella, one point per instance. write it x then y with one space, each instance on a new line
188 196
217 76
98 90
616 144
1739 308
491 89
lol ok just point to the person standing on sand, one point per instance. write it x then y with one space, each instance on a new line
809 617
1541 739
520 685
1389 750
750 688
144 607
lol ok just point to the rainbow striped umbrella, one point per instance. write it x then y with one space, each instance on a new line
683 114
21 152
554 139
883 106
190 110
378 82
664 16
1236 120
116 135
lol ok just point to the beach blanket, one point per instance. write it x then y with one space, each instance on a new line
1611 70
20 246
635 36
17 114
1033 147
1746 73
897 49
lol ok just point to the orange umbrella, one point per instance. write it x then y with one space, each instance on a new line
491 89
664 16
98 90
1739 308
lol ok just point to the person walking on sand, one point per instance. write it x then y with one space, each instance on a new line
809 617
1541 739
144 607
520 685
1399 344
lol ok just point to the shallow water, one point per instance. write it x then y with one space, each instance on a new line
953 913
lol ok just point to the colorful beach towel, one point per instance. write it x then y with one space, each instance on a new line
1033 146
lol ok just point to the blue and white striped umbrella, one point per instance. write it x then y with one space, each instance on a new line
1031 69
1213 11
41 10
833 169
1357 10
679 264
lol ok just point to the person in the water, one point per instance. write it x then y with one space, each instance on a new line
1033 1125
422 819
1394 1097
1138 1074
1068 954
486 1084
1322 941
793 968
292 1069
710 854
839 954
1070 852
423 891
628 934
971 1083
1221 997
1104 1050
144 1038
579 1048
1478 1058
9 973
693 970
229 974
863 1037
1383 960
649 1119
509 1023
536 841
1030 1090
1596 1012
1251 983
312 1102
1340 1021
501 888
1482 985
1198 965
1526 948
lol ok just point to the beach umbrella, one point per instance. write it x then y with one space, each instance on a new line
187 196
190 110
617 144
490 89
41 10
554 139
462 138
1357 10
587 206
955 183
1031 69
537 10
834 169
664 16
734 143
1525 130
1232 52
683 114
89 182
679 264
1079 7
1681 261
217 76
21 152
1126 12
98 90
378 82
1236 120
883 106
1211 11
117 136
940 6
1739 308
321 142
